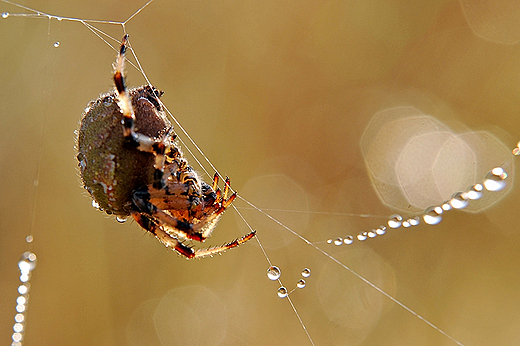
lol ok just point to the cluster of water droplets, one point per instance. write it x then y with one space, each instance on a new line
274 273
26 264
494 181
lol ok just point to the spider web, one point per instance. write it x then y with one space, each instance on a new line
285 124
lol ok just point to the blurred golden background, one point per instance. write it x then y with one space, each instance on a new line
277 95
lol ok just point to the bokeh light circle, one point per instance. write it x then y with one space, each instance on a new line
416 161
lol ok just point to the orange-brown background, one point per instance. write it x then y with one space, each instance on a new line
276 94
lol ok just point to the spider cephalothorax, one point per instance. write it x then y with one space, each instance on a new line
131 165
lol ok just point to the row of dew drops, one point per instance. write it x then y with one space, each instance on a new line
493 182
26 264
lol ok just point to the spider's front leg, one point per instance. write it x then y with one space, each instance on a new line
139 141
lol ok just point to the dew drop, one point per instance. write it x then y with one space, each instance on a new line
475 192
5 14
306 272
23 289
29 239
27 262
495 180
372 233
56 44
329 241
17 337
432 215
95 204
381 230
19 318
516 151
108 100
348 240
121 219
338 241
459 200
274 273
301 283
395 221
362 236
414 221
282 292
406 224
18 327
21 300
446 206
83 165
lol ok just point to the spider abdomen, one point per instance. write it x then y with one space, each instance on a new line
110 168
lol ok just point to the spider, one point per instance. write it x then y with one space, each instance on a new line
131 166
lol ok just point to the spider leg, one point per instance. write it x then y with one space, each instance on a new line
215 182
151 226
223 201
199 253
226 202
148 224
139 141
